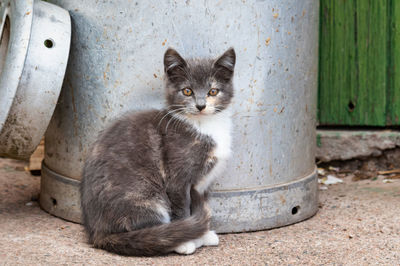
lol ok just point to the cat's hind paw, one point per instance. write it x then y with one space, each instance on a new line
210 239
186 248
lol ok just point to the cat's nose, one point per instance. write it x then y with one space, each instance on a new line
200 107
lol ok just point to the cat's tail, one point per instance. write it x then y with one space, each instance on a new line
163 238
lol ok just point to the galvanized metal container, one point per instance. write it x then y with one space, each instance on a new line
116 66
34 48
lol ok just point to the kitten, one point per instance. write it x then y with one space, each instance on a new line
144 180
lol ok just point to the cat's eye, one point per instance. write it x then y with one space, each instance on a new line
187 92
213 92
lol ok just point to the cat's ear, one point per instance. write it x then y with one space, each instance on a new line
174 65
225 65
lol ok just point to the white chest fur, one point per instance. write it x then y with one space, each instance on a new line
218 127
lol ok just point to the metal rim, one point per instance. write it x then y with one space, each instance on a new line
36 80
20 15
268 207
60 196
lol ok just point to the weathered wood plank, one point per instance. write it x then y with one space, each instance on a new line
372 48
337 61
35 161
353 62
393 92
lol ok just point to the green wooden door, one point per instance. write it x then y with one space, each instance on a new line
359 81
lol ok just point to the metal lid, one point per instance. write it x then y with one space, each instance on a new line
34 49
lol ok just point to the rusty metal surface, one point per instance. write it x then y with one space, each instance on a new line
33 62
116 66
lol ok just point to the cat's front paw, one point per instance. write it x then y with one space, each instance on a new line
186 248
198 242
210 239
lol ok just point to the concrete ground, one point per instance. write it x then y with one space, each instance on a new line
358 223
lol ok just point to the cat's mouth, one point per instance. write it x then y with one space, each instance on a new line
191 112
206 110
201 114
204 113
196 114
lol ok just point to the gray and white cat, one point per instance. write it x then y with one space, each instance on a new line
145 179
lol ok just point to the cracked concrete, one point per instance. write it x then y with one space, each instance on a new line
349 144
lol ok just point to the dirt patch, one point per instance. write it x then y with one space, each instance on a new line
384 166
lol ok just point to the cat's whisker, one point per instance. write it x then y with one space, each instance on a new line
170 112
175 123
158 114
168 109
173 117
194 133
181 120
175 105
218 108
